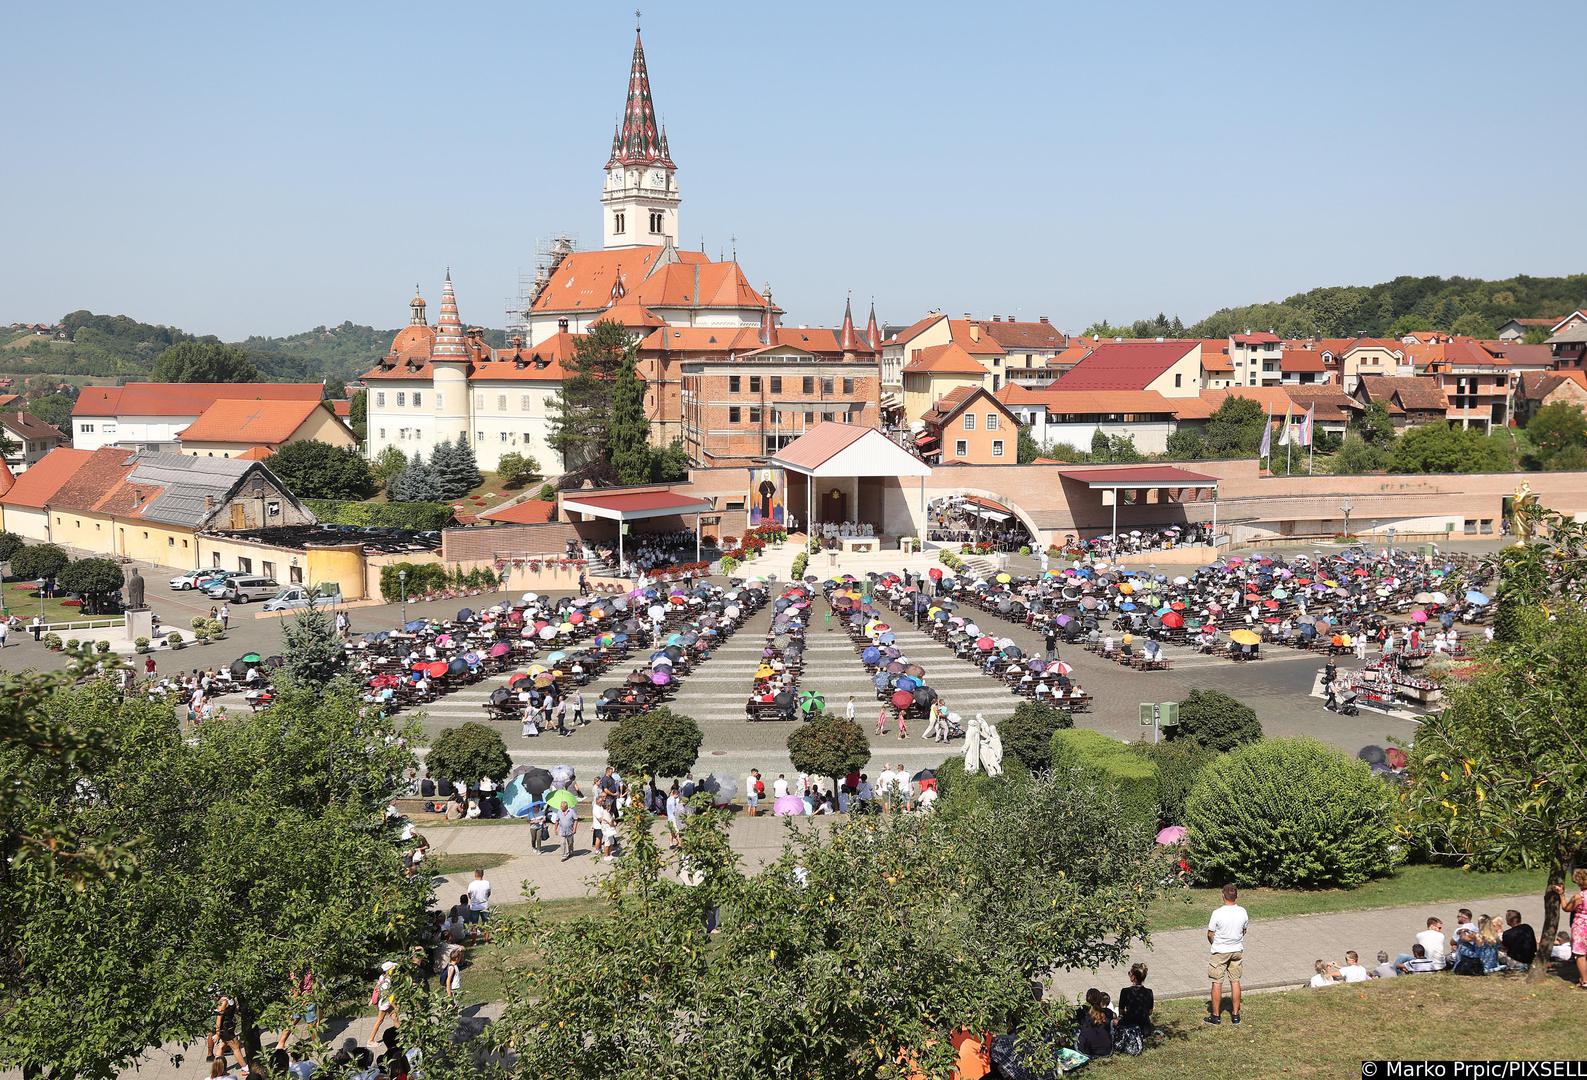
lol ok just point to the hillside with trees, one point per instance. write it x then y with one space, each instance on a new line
1456 305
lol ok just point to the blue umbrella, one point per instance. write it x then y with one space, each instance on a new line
1475 597
871 654
906 682
456 666
413 626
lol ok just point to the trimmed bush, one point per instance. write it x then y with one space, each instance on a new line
1113 763
421 516
1179 765
468 753
1216 721
954 787
1292 814
1027 734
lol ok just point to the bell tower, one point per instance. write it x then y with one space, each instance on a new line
639 204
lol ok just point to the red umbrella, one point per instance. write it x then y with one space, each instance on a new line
1271 605
1360 571
984 644
935 573
518 678
420 666
1173 620
576 618
902 699
437 669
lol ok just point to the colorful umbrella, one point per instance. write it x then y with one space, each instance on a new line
812 701
560 798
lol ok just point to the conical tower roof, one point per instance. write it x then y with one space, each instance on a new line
448 328
639 140
848 340
768 321
873 333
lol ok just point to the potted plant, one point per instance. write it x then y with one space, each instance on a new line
52 641
217 629
102 647
141 644
173 640
72 644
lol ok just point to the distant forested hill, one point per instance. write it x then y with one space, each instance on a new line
122 347
1457 305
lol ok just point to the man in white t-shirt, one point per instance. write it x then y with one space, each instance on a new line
478 897
1353 972
1432 941
1226 936
779 787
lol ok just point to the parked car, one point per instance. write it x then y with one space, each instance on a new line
197 579
242 589
296 596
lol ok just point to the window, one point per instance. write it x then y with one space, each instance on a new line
656 220
991 421
754 384
268 569
245 565
380 399
417 399
776 384
215 556
479 436
88 428
809 384
961 448
1179 380
479 401
170 541
295 574
810 418
504 436
969 421
826 384
997 447
733 414
848 386
402 399
619 223
273 508
501 402
527 438
523 402
754 414
733 384
440 402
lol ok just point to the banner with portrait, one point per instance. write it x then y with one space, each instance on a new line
767 494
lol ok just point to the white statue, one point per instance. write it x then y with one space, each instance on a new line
991 747
972 745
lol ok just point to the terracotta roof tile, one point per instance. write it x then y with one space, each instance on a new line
1024 335
27 426
949 359
527 512
260 423
35 487
183 399
1125 365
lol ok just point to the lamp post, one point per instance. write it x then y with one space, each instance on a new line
41 583
402 580
1391 540
1346 508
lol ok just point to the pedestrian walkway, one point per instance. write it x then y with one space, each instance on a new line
1281 952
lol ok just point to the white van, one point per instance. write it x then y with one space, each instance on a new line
240 590
296 596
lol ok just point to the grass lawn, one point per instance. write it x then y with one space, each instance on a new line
489 966
448 862
23 602
1330 1032
1409 885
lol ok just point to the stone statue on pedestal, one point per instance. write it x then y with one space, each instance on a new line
134 589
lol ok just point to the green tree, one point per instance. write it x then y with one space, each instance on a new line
1099 445
829 746
204 361
257 848
1443 448
54 408
311 469
1216 721
1029 450
95 581
388 464
1553 430
416 482
1499 776
1409 324
469 752
581 410
1474 325
629 430
669 464
38 561
1027 735
10 544
456 468
358 414
1374 426
1186 444
1235 428
659 743
310 648
517 469
1179 765
1356 456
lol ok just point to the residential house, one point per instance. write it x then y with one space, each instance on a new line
969 426
31 437
1302 367
934 371
1516 329
1568 343
1075 417
1171 368
1477 384
150 416
1409 400
1363 357
231 428
1030 349
1535 389
23 506
934 330
1257 358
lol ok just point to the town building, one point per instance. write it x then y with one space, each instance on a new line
1171 368
1257 358
1535 389
1567 342
152 416
31 438
1410 401
231 428
928 338
968 426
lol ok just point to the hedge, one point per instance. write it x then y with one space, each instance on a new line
419 516
422 578
1110 762
1292 814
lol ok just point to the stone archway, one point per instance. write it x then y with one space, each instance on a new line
1017 515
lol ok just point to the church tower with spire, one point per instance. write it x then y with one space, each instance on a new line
639 204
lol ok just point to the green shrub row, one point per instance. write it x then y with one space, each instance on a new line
1111 762
419 516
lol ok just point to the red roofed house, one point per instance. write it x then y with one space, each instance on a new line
1030 349
32 438
929 336
969 426
23 504
1257 358
1171 368
232 428
149 415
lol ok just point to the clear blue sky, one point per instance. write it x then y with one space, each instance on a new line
268 167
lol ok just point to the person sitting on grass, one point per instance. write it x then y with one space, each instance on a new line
1385 968
1353 972
1327 973
1518 943
1094 1025
1135 1012
1475 954
1420 963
